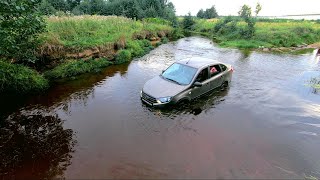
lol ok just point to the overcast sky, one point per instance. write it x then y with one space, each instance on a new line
231 7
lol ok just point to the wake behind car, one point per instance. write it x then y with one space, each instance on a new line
186 80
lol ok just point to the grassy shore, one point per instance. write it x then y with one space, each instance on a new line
87 36
269 34
80 44
21 79
72 40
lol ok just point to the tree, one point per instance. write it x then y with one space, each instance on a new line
59 5
200 13
72 4
20 24
97 6
258 9
245 12
210 13
84 7
188 22
46 8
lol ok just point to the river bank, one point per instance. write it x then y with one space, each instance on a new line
277 35
80 44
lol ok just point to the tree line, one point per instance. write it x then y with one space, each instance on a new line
135 9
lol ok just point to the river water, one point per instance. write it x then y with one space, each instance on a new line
266 125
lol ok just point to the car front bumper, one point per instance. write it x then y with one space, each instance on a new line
158 105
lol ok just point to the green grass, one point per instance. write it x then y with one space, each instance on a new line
284 33
20 79
83 32
107 34
244 44
76 67
138 48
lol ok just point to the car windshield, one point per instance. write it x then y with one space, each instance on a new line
179 73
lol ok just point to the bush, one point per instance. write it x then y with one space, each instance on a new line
177 33
20 24
20 79
76 67
164 40
138 48
158 44
188 22
135 48
123 56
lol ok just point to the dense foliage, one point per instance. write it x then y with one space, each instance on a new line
208 13
188 22
20 24
18 78
135 9
277 33
76 67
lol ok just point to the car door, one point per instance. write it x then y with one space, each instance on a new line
203 78
216 77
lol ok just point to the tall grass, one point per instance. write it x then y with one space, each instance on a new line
270 33
82 32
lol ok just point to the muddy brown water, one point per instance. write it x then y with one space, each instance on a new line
266 125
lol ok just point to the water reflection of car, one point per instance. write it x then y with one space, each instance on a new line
186 80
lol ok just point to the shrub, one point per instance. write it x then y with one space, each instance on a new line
177 33
135 48
188 22
158 44
20 24
20 79
123 56
138 48
76 67
164 40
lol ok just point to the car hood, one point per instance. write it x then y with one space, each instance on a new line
159 87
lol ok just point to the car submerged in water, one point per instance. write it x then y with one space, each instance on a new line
186 80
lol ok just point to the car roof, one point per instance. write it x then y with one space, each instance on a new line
198 62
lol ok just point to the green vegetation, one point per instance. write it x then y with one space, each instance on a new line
82 32
208 13
229 32
138 48
18 78
75 67
62 39
247 31
20 24
135 9
188 22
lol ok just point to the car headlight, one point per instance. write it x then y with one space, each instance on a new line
164 100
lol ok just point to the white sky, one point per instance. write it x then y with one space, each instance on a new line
231 7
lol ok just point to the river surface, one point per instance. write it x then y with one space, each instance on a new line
266 125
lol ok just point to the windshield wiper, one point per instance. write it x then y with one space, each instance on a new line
173 81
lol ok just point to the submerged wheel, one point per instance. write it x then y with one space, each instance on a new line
182 102
224 85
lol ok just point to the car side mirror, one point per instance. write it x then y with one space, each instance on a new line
197 84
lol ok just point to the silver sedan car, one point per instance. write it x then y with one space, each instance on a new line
186 80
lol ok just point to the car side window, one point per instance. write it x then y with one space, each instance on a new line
223 67
214 70
203 75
